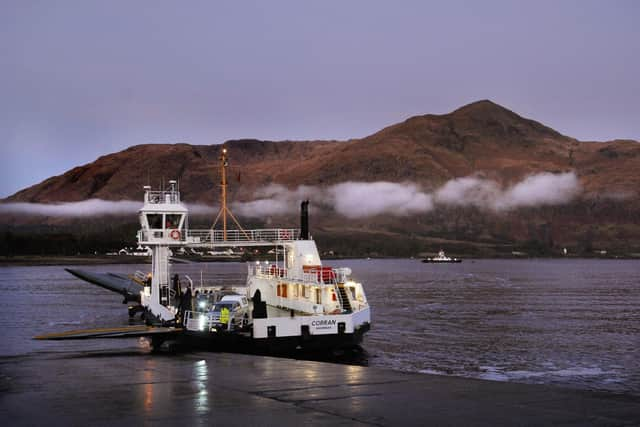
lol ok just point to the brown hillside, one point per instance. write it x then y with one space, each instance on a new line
482 137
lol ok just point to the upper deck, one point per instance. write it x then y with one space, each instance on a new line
311 276
218 238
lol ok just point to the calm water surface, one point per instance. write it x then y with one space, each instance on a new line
573 323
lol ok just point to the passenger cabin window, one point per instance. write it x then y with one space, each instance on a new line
154 220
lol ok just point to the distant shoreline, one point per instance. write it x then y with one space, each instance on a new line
43 260
52 260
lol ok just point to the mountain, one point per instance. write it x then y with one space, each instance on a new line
430 149
481 138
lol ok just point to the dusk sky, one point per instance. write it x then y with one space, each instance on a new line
80 79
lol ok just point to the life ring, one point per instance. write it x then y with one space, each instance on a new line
175 234
284 235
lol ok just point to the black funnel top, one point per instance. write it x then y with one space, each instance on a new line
304 220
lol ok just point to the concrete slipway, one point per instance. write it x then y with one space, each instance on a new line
107 388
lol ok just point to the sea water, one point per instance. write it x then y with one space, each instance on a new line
568 322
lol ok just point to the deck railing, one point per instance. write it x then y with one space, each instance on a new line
219 237
266 235
313 276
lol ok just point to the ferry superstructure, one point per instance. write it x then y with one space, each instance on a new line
292 303
294 300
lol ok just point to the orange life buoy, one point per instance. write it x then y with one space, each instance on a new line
284 235
175 234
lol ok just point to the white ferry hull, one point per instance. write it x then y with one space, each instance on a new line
244 342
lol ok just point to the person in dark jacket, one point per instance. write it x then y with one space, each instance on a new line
185 304
259 306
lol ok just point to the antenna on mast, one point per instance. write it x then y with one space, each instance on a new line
224 210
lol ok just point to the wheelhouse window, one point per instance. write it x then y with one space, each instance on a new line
173 221
154 220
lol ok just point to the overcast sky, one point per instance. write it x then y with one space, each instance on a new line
79 79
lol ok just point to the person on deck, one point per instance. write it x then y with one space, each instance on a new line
185 303
224 317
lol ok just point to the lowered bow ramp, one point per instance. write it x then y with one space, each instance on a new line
120 332
118 283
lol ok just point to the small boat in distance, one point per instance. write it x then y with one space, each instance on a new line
441 258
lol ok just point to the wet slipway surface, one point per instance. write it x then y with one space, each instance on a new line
115 388
573 325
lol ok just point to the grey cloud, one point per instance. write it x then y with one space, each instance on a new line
354 199
88 208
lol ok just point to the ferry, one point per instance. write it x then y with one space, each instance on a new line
441 258
293 303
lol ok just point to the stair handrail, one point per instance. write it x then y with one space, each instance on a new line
338 296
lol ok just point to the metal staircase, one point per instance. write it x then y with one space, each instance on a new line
344 299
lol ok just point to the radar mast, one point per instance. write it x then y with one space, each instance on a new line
224 209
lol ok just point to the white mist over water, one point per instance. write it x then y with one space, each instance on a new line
353 199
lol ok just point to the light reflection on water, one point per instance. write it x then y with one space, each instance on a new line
148 376
565 322
201 377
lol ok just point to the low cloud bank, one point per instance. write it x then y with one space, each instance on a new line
352 199
275 199
535 190
88 208
85 208
200 209
363 199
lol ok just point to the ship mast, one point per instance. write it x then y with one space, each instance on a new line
224 210
223 188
